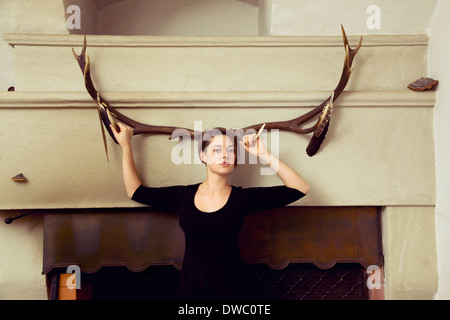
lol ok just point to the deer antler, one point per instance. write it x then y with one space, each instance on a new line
106 112
325 108
295 125
138 127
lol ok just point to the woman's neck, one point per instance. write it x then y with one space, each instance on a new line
215 184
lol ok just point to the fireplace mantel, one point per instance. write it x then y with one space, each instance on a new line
213 100
378 125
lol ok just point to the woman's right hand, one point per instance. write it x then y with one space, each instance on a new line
124 136
130 175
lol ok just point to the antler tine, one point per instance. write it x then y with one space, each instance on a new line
347 68
294 125
352 52
319 135
139 128
85 66
81 58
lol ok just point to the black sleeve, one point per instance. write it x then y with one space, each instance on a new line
266 198
165 198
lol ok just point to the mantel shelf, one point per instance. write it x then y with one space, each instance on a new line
290 99
23 39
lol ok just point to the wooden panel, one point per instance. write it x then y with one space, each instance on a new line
141 238
135 239
323 236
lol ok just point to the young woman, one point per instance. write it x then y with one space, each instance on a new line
211 213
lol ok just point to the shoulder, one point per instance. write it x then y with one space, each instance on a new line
168 191
266 193
261 189
265 198
189 189
164 197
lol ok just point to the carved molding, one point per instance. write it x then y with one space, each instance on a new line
213 41
309 99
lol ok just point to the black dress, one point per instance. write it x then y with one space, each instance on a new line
212 265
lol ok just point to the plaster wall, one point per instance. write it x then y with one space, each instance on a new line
319 17
439 69
34 17
409 248
21 246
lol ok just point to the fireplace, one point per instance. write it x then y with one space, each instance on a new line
295 253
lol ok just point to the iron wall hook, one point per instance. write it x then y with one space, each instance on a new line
10 219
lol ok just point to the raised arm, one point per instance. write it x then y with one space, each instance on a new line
130 175
288 175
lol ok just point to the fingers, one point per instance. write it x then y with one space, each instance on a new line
250 144
244 145
115 132
113 129
253 138
250 139
122 127
124 135
253 144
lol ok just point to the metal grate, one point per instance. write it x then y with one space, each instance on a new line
307 282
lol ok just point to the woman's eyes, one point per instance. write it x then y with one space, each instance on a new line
219 150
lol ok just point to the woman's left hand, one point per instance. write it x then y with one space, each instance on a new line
253 145
290 177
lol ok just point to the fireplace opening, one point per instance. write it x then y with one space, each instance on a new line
298 281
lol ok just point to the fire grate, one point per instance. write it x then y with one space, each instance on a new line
307 282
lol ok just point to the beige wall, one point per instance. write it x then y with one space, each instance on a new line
305 17
439 66
35 17
21 243
380 132
21 253
410 253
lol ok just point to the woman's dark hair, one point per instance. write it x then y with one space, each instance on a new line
208 135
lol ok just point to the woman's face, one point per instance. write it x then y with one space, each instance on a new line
220 155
